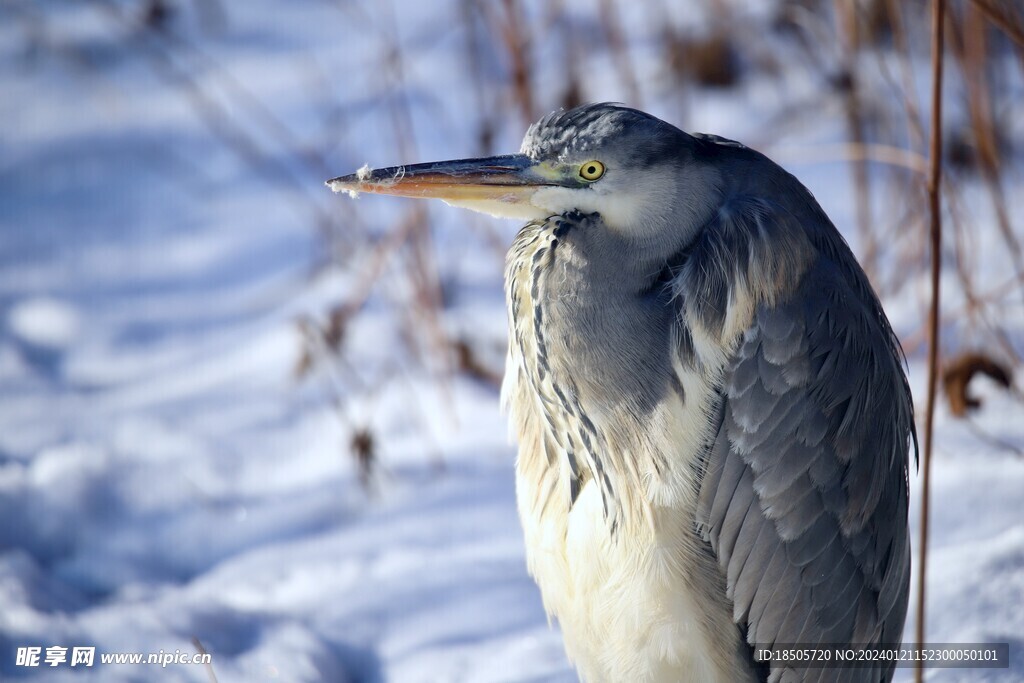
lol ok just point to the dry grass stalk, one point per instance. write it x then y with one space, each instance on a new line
850 89
935 233
707 60
957 376
1007 15
364 450
970 48
619 48
208 666
469 363
510 26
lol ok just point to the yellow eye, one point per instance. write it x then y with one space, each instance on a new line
592 170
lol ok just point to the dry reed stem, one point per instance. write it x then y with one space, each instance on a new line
971 51
853 109
619 48
220 122
877 153
935 233
1009 23
210 674
517 45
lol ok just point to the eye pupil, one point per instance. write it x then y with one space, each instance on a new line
592 170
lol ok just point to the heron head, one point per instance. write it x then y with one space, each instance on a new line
638 172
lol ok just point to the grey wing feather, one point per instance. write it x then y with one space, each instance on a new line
804 495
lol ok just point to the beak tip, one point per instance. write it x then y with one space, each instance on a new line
343 184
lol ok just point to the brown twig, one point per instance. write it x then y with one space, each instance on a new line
619 48
218 119
424 275
516 40
969 47
202 651
853 109
1002 19
876 153
935 232
474 62
915 126
958 374
470 363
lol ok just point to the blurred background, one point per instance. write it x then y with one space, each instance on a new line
243 415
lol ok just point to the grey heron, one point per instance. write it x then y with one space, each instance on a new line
713 420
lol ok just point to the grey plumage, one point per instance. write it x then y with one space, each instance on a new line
713 420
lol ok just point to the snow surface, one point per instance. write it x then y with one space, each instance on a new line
164 477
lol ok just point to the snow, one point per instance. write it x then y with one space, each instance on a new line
165 477
43 322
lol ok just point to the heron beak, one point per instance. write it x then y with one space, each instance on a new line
500 186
